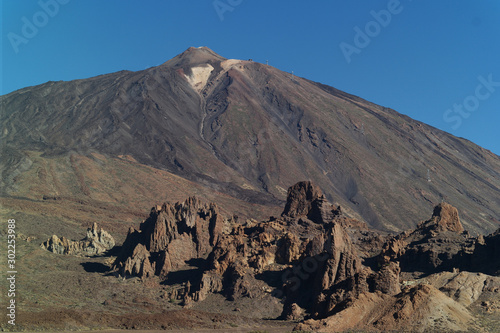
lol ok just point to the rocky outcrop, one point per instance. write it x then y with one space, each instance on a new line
305 199
439 299
444 218
315 263
96 242
422 308
307 255
308 252
437 244
338 265
139 263
441 244
172 235
300 198
376 297
236 259
486 254
320 269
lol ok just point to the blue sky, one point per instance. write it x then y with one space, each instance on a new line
436 61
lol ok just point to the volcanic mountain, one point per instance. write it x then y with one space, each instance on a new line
241 128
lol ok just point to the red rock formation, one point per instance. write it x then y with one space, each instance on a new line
316 253
138 263
436 244
300 198
174 234
444 218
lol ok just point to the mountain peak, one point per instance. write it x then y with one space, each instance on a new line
195 56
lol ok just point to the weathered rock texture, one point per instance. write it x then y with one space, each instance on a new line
439 249
415 309
96 242
437 244
306 199
316 266
441 244
172 235
321 265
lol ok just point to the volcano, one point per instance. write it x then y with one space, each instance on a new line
241 131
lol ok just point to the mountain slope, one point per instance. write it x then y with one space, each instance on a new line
251 130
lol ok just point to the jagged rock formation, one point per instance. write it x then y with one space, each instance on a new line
320 269
433 246
96 242
441 301
442 244
326 251
172 235
300 198
444 218
318 262
306 199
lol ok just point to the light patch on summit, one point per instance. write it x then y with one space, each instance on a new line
229 63
199 76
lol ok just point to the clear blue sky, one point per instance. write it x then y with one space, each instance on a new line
421 59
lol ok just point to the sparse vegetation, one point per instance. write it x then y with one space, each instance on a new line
256 142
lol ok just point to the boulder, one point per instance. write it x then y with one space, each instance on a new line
293 312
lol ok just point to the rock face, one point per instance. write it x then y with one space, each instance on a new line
172 235
96 242
486 255
307 254
444 218
306 199
318 266
300 198
315 263
437 244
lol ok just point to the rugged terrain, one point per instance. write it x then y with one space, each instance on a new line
246 130
311 265
312 269
213 144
